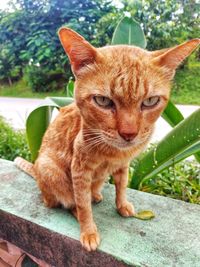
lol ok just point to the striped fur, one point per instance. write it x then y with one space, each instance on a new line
25 166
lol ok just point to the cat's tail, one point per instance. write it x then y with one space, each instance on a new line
25 166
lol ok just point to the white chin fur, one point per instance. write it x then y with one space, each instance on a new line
121 145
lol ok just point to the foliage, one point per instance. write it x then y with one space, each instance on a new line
21 89
41 80
105 27
166 23
32 27
12 143
186 89
8 69
28 31
129 31
172 115
13 31
183 141
38 121
181 181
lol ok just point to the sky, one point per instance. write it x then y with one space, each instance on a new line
3 4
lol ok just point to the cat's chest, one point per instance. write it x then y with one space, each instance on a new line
110 167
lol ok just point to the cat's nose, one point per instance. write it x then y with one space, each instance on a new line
128 136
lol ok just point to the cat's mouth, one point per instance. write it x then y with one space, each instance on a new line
97 138
121 144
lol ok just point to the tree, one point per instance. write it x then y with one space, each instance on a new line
32 29
166 23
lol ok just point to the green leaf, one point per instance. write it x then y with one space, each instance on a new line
181 142
144 215
129 32
38 121
197 156
60 101
36 125
70 88
172 114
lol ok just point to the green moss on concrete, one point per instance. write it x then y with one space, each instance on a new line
170 239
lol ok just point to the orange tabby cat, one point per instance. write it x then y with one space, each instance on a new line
120 92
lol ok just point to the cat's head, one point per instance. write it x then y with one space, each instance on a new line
121 90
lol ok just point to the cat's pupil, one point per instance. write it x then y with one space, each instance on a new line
151 100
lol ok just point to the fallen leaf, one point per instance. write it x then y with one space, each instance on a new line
144 215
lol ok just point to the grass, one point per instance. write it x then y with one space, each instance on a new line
186 88
12 143
21 89
181 181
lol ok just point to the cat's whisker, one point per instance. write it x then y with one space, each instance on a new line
93 133
90 130
90 135
107 134
91 140
94 143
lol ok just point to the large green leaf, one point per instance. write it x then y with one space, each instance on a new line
36 125
172 114
38 121
129 32
60 101
181 142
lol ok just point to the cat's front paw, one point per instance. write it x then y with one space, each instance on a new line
97 197
126 209
90 240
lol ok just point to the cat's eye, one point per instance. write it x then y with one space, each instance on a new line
150 102
103 101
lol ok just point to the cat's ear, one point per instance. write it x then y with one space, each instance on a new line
79 51
173 57
157 53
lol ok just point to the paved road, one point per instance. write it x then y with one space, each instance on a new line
16 110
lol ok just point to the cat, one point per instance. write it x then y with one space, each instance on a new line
120 91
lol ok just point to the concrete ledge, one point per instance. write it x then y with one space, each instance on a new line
170 239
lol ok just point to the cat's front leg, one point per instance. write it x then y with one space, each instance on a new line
124 207
82 179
